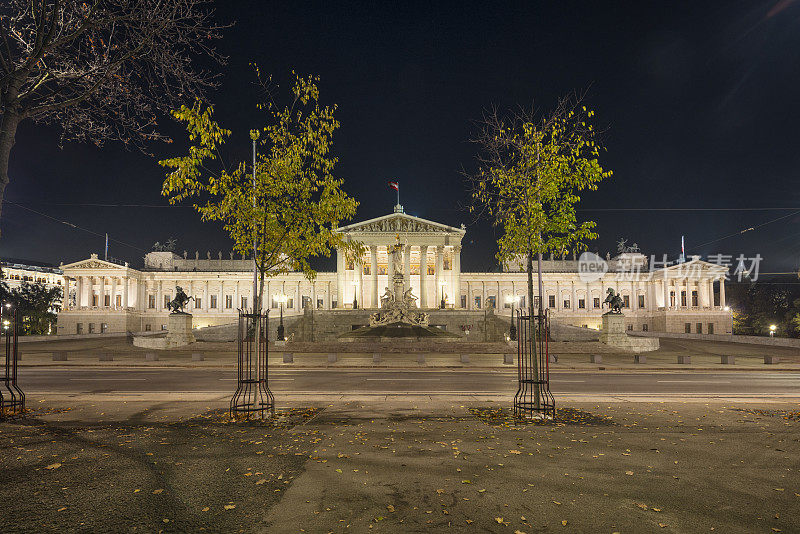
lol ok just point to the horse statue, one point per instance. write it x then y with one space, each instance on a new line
177 304
614 302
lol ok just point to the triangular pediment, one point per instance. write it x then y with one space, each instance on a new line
400 223
93 263
694 266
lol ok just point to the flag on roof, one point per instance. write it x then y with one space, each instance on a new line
395 186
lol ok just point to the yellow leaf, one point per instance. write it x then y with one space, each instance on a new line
62 508
53 466
514 452
230 506
260 481
564 523
662 525
205 509
156 492
629 472
390 508
499 519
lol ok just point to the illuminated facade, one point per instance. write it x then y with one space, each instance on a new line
108 297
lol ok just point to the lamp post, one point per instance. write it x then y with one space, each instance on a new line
772 329
281 299
442 303
512 332
355 294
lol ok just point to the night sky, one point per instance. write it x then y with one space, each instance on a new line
699 102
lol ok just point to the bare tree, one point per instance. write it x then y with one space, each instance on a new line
100 69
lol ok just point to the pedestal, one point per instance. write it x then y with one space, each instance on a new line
179 329
612 331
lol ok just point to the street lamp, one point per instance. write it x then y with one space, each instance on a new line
772 329
512 332
281 299
442 303
355 294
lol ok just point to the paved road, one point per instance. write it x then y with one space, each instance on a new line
389 381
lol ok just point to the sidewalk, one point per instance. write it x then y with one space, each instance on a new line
402 467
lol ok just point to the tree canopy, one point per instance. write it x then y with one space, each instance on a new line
289 210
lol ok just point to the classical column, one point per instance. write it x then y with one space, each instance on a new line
373 270
437 275
423 276
221 297
389 267
406 267
688 293
573 305
469 295
125 282
236 301
113 298
710 292
101 291
665 287
328 296
483 294
457 275
722 292
313 294
340 278
65 300
78 291
298 302
558 295
160 296
206 297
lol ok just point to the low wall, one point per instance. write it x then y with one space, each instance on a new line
728 338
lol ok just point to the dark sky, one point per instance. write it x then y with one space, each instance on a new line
699 101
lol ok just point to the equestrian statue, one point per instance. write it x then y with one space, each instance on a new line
177 304
614 302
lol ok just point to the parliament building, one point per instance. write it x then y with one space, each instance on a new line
105 297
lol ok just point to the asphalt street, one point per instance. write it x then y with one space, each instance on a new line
390 381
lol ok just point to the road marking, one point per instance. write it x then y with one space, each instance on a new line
693 381
415 379
114 379
271 379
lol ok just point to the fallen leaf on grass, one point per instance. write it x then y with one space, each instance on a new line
439 491
466 482
62 508
137 490
514 452
338 470
157 491
662 525
564 523
519 532
390 508
629 472
205 509
230 506
641 505
260 481
53 466
656 509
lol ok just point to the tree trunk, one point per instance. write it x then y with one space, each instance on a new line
532 334
8 130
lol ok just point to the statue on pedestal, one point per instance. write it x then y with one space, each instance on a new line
181 299
614 302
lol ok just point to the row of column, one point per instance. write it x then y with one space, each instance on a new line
84 292
681 287
406 254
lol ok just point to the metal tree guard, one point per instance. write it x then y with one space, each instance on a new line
533 398
253 397
12 399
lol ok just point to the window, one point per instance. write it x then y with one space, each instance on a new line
566 304
320 304
94 300
463 301
491 302
477 302
641 301
581 304
79 328
536 302
688 328
699 328
630 328
626 301
596 303
166 301
644 327
551 301
672 299
710 328
198 303
244 303
274 304
683 298
228 302
119 301
506 304
290 303
334 304
694 298
147 328
106 300
214 302
163 327
103 328
91 328
151 301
